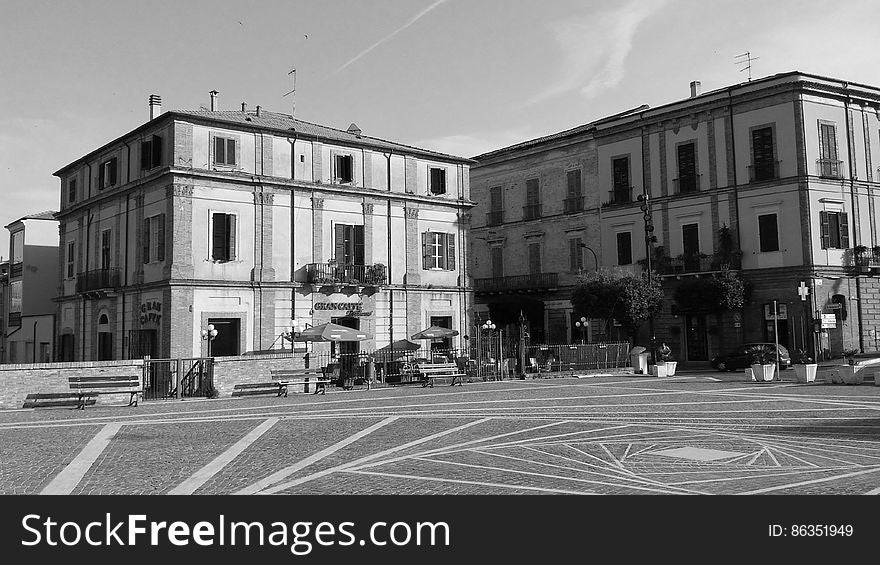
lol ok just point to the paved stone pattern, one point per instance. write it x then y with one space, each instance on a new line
689 434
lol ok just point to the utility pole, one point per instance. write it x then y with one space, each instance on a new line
645 199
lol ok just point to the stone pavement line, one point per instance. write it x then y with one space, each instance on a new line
287 471
814 481
202 476
67 480
355 463
873 492
464 482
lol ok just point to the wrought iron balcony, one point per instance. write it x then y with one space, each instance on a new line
696 263
574 204
354 275
16 270
829 168
764 171
103 279
620 196
495 217
867 261
532 212
519 283
687 184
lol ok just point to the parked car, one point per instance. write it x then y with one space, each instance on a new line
741 357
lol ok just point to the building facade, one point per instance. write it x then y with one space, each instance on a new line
775 179
255 222
28 333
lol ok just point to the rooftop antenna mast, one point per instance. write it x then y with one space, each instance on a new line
293 72
747 61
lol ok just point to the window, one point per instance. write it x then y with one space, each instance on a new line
438 251
71 191
107 173
45 352
344 165
532 209
154 238
224 151
834 230
496 206
535 258
624 248
575 254
438 180
497 261
620 179
768 233
687 168
690 239
105 249
18 246
574 201
71 259
829 165
223 237
151 152
348 244
763 160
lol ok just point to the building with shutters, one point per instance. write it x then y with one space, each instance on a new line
253 221
775 179
29 282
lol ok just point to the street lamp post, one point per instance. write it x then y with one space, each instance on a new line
582 324
208 334
489 326
645 199
523 322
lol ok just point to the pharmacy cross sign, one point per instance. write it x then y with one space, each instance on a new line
803 291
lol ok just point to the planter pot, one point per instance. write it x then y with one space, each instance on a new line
806 373
876 378
670 368
763 373
852 375
658 370
835 377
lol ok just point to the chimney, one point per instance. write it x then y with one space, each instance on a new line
354 130
695 89
244 107
155 105
259 109
214 106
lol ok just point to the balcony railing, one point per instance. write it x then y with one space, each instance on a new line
687 185
14 319
495 218
574 204
16 270
532 212
358 275
102 279
867 262
620 196
829 168
696 263
532 282
764 171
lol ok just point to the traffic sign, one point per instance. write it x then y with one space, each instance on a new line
829 321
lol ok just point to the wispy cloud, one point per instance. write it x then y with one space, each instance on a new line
595 48
418 16
471 145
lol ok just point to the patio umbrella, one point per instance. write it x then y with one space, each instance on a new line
434 332
331 332
395 351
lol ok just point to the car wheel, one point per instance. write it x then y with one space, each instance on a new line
721 366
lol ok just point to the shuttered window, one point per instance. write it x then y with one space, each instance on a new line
763 161
624 248
834 230
223 237
620 172
690 239
344 169
107 173
573 179
105 249
225 151
154 238
438 251
438 180
495 202
151 153
71 191
534 258
687 168
497 261
71 258
348 244
768 233
575 254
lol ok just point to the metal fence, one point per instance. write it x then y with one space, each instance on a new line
178 378
577 357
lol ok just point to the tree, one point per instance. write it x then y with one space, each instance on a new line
725 291
630 299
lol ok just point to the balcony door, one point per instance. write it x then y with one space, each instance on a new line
348 244
697 338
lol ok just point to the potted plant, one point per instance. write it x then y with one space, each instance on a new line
804 368
763 364
664 355
861 262
851 373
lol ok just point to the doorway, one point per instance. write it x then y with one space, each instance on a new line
441 346
228 340
696 338
347 350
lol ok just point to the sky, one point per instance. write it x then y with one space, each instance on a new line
458 76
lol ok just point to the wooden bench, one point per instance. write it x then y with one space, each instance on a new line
88 387
281 379
430 371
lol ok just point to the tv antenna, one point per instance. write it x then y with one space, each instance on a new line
747 61
293 72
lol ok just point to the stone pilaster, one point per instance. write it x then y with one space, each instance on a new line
713 158
664 175
317 162
178 325
178 231
413 247
368 233
183 146
411 178
264 269
318 230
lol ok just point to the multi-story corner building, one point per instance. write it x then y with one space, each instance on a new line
30 289
253 221
4 293
775 179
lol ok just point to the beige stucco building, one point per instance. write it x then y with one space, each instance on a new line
253 221
776 178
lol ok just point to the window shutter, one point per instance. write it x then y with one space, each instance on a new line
844 230
113 164
160 238
824 230
358 245
231 158
100 177
450 252
145 155
146 240
426 256
219 236
157 151
574 183
339 243
219 150
231 237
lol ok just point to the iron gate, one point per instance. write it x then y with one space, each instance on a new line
178 378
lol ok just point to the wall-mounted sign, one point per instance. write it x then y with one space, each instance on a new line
829 321
351 306
151 312
781 311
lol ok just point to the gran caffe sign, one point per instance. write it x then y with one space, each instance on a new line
352 309
151 312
